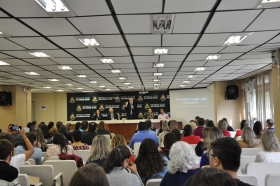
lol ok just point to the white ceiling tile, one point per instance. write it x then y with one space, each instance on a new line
230 56
10 69
236 67
146 58
238 4
255 55
251 61
2 14
59 26
253 67
207 50
41 61
3 56
168 69
235 21
56 53
179 50
143 6
121 66
87 52
34 43
66 61
19 54
172 64
142 50
67 42
110 40
101 66
128 23
259 37
15 62
114 51
213 39
196 64
217 63
188 5
86 7
143 40
8 45
172 58
189 23
230 49
91 61
197 57
226 71
95 25
179 39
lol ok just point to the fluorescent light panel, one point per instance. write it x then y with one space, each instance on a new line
156 84
32 73
213 57
65 67
200 68
192 76
160 51
157 74
2 63
182 85
102 86
39 54
185 82
79 88
108 89
89 41
3 34
115 71
127 83
82 76
156 87
130 87
52 5
68 85
269 4
237 38
122 78
53 79
106 60
88 91
158 65
93 82
59 90
156 80
47 87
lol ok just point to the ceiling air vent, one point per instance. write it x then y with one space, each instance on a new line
162 23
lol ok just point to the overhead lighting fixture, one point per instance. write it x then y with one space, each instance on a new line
79 88
160 51
192 76
200 68
158 65
235 39
39 54
32 73
182 85
106 60
115 71
130 87
157 74
3 34
88 91
70 85
122 78
2 63
89 41
213 57
127 83
185 82
52 5
156 87
81 76
156 84
59 90
108 89
162 23
156 80
269 4
65 67
102 86
53 79
93 82
47 87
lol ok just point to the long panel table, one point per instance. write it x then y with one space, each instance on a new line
125 127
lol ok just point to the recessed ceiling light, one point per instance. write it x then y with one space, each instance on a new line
39 54
93 82
32 73
182 85
3 34
130 87
156 84
108 89
269 4
158 65
115 71
157 74
102 86
200 68
89 41
162 23
4 63
213 57
52 5
59 90
126 83
53 79
122 78
236 39
80 88
81 76
156 80
88 91
192 76
65 67
68 85
185 82
156 87
47 87
160 51
106 60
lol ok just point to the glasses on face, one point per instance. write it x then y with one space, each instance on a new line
209 154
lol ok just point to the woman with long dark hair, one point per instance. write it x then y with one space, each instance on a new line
60 146
257 128
150 163
242 125
41 143
118 165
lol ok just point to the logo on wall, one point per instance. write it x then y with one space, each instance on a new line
140 115
140 99
147 106
101 107
117 99
94 99
72 117
79 108
162 98
72 100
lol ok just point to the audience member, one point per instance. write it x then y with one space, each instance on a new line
84 126
77 144
211 177
271 148
99 150
149 127
248 139
192 124
162 114
149 114
29 124
200 128
210 123
52 132
60 146
165 130
242 125
62 130
189 137
229 128
222 124
0 131
50 125
168 141
118 140
182 165
90 174
177 133
45 130
102 130
196 119
97 115
78 126
16 135
58 125
257 128
160 127
41 143
150 163
87 137
270 125
141 135
173 124
116 165
33 124
68 131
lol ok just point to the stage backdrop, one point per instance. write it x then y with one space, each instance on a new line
82 106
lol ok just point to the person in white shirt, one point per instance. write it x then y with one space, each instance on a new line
271 148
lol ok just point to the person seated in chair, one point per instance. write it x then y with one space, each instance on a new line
112 115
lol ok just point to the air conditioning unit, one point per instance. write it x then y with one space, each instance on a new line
162 23
249 86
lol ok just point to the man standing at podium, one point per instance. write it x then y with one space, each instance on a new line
131 109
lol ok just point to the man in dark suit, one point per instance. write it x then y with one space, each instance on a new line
131 109
112 115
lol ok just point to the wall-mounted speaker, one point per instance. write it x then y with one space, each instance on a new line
5 98
232 92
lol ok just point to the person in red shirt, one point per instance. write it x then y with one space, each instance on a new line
242 125
222 124
189 137
200 127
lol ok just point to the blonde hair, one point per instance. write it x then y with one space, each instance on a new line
53 131
118 140
165 126
248 136
270 142
100 148
222 124
193 125
210 134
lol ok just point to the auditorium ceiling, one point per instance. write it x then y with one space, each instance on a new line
120 45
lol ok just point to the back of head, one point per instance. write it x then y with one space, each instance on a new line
188 130
148 124
210 134
243 124
228 151
142 126
212 177
164 126
210 123
39 134
50 125
182 158
101 125
90 174
68 127
248 136
32 138
200 122
53 131
117 140
45 131
177 133
8 137
6 148
78 125
100 148
169 139
77 135
58 124
92 127
192 124
59 139
270 122
222 124
62 129
84 125
257 128
174 124
197 117
270 142
116 158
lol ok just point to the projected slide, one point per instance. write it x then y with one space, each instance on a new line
186 104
